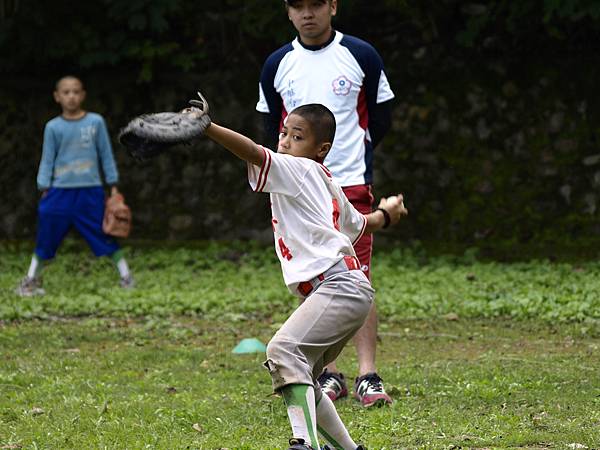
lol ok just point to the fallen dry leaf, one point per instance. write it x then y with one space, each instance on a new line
538 419
36 411
450 317
198 428
467 437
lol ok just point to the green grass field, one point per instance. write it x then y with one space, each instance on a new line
476 354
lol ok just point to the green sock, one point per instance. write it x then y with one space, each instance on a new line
301 408
120 263
116 256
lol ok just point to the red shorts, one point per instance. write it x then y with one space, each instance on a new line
362 198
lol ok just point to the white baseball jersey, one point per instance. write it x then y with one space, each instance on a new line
314 224
348 77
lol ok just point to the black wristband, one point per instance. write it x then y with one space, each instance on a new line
386 217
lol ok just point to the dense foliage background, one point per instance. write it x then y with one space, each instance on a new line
495 123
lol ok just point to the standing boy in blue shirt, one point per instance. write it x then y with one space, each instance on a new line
76 151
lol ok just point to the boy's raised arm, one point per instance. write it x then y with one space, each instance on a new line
238 144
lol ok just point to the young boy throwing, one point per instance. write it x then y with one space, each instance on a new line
315 227
76 149
352 83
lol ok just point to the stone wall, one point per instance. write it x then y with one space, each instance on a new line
497 143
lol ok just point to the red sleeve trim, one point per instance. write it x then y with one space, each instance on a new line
362 230
362 109
264 171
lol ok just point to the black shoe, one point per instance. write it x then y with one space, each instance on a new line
369 391
299 444
327 447
333 385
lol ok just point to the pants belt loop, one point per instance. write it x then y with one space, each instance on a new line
352 262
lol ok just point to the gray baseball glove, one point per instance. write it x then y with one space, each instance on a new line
149 135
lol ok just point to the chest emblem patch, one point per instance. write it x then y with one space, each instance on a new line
341 85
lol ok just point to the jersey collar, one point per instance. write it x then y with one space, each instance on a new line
317 47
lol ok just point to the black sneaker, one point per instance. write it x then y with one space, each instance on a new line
327 447
368 390
299 444
333 385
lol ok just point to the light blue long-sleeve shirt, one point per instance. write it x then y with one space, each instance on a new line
73 151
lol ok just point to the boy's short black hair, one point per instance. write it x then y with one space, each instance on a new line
321 119
291 2
68 77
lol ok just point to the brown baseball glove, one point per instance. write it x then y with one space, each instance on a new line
117 217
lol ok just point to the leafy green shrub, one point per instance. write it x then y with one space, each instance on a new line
242 281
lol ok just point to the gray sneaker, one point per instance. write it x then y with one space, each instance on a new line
30 287
127 282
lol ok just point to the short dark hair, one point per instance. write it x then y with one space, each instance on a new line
321 119
291 2
68 77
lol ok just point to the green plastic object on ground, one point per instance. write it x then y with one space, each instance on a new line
250 345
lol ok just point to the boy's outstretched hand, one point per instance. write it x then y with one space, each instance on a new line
394 205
